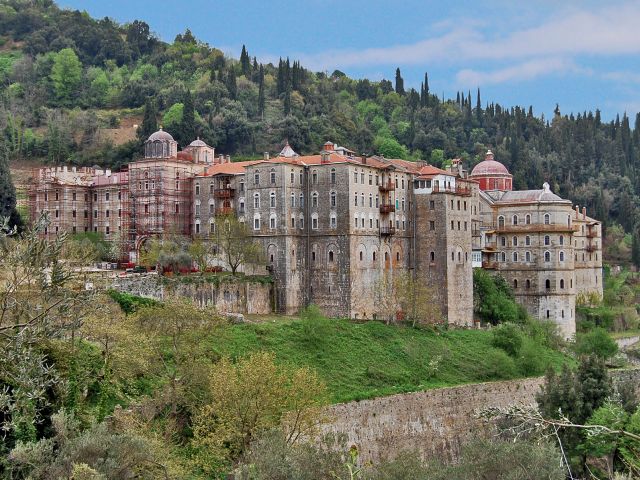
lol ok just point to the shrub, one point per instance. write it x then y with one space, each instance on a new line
596 342
498 366
130 303
530 362
507 337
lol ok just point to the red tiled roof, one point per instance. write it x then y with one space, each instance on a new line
230 168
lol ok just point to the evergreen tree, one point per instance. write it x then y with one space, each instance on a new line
635 248
281 85
230 83
7 191
187 128
478 109
261 99
399 83
287 101
245 63
426 89
149 120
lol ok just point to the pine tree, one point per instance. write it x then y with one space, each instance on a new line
261 99
399 83
281 79
479 109
245 62
149 121
287 101
426 89
232 88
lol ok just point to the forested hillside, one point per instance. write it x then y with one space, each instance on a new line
66 78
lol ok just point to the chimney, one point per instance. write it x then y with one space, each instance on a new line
577 211
228 159
108 172
364 159
324 156
327 147
73 169
221 158
265 155
584 213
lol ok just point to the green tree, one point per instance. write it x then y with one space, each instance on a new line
390 148
245 63
149 120
596 342
261 97
399 83
635 247
187 128
236 244
8 192
66 75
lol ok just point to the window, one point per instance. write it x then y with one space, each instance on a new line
333 221
370 200
293 222
73 214
355 177
272 222
514 241
301 178
503 241
73 196
293 199
256 223
514 220
242 186
515 283
374 256
503 256
500 221
256 178
272 200
95 213
177 209
528 283
212 227
432 225
212 207
561 240
333 176
515 256
547 219
361 255
330 256
370 179
561 256
397 256
527 240
314 177
333 200
313 256
547 285
293 177
301 202
432 204
547 256
256 200
432 257
355 199
547 240
107 213
197 228
197 189
146 208
314 199
314 223
562 283
272 176
527 256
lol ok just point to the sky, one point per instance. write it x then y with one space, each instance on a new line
581 54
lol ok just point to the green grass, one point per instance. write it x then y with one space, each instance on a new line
367 360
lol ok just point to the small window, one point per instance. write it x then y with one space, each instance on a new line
547 256
547 284
330 256
547 240
515 283
547 219
333 176
361 255
514 220
514 241
272 176
561 255
562 283
515 256
256 178
561 240
432 256
528 283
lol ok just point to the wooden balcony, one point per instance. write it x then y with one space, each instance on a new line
387 208
224 192
591 248
592 233
535 227
490 265
387 187
386 231
224 210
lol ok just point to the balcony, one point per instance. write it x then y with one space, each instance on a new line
492 246
387 187
591 248
386 231
490 265
224 210
457 190
535 227
224 192
592 233
387 208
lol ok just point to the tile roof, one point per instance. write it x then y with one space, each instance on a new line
229 168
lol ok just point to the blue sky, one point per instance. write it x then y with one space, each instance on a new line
581 54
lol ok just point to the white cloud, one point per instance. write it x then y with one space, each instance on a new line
603 32
622 77
523 71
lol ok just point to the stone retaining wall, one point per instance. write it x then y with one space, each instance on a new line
436 423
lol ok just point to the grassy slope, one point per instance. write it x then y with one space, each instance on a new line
371 359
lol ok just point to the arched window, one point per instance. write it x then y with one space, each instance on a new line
547 219
561 240
547 284
528 283
514 241
432 256
503 241
333 200
547 240
562 283
527 219
293 199
561 256
386 256
547 256
256 200
272 199
272 222
331 256
514 220
515 256
314 199
503 257
500 221
333 221
301 202
515 283
397 256
272 176
256 178
314 177
361 255
527 240
527 256
374 256
333 176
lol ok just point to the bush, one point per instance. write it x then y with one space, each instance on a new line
130 303
493 299
596 342
507 337
499 366
530 362
315 326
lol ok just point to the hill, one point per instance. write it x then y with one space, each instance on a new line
73 87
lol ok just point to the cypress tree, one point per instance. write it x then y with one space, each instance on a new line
7 191
188 124
426 89
245 62
287 101
399 83
281 81
149 121
635 248
478 109
261 100
232 88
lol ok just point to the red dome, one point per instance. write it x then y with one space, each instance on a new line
489 167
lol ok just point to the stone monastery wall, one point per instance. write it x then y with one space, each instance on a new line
436 423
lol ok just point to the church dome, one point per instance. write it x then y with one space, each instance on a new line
160 135
489 166
198 143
